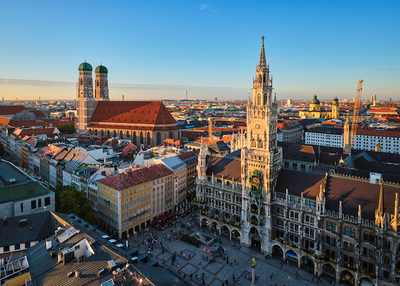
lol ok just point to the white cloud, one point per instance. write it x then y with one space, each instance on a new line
204 6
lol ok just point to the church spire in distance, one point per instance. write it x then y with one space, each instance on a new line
263 62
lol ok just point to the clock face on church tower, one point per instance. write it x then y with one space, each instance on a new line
257 126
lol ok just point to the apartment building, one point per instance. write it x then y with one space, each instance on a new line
125 200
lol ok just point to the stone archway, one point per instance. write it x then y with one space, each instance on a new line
235 234
255 239
307 264
365 281
347 278
204 222
225 230
214 226
292 256
329 270
277 251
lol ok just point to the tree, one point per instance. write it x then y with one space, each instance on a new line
67 128
70 200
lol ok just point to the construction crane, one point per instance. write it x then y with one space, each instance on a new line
356 112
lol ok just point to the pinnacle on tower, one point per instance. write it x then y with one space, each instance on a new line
380 205
263 63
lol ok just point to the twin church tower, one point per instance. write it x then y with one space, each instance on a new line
88 95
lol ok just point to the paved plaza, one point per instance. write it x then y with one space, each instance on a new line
191 264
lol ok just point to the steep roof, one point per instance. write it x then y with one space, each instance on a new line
190 158
139 176
11 109
133 112
338 188
49 131
303 153
222 167
39 226
290 180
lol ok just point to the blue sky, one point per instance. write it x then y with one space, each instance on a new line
162 48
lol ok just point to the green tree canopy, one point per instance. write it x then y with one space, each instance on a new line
70 200
67 128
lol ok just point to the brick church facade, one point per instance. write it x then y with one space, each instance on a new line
143 122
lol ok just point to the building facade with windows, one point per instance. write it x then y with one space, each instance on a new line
365 139
341 226
124 201
142 122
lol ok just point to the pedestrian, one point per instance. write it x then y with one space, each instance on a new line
287 262
271 276
233 276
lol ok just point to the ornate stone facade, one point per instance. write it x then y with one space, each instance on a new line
339 226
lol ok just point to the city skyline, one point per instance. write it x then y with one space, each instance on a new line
161 49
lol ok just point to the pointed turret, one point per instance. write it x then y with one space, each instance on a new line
380 205
263 62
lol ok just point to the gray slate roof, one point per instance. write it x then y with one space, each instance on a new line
39 226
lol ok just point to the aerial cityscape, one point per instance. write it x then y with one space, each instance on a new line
186 143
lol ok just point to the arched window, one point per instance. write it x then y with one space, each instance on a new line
121 135
258 99
171 135
102 132
352 232
134 137
108 134
372 238
346 230
334 227
141 138
159 138
328 225
386 260
95 132
97 82
148 138
115 133
366 236
81 81
127 134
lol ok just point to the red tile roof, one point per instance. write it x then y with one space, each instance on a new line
190 158
9 109
129 179
207 140
4 121
383 133
38 113
133 112
20 133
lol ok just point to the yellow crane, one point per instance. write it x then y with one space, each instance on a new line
356 112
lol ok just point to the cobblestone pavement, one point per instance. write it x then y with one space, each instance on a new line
190 261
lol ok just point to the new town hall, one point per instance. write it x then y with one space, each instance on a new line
328 223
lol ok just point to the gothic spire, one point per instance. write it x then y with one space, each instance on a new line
263 63
380 206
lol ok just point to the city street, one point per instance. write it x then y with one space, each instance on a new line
192 265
